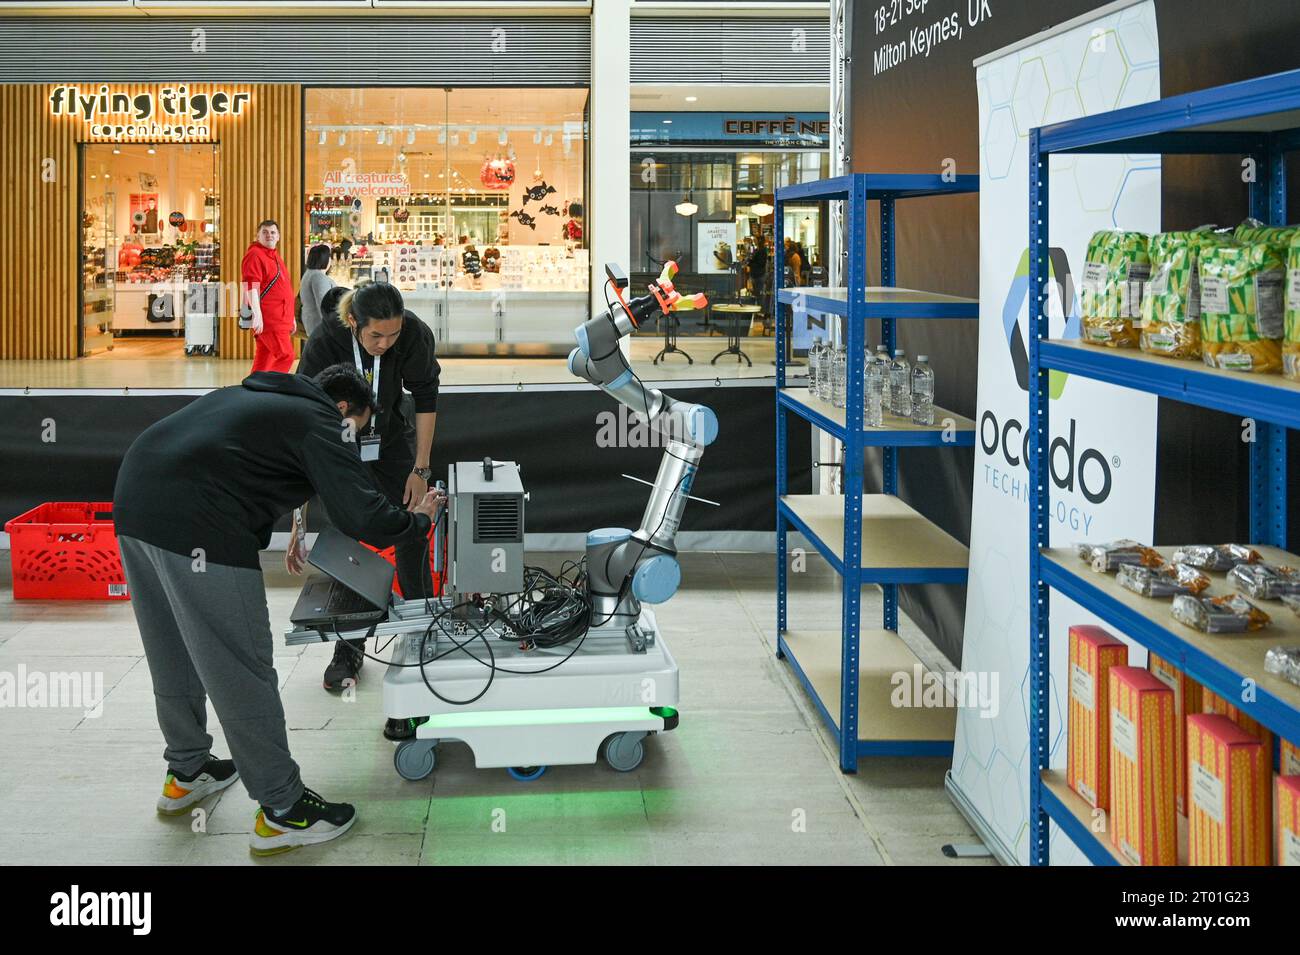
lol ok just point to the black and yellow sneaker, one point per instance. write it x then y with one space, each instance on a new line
345 669
181 792
310 821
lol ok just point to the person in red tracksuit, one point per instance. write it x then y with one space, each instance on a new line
268 291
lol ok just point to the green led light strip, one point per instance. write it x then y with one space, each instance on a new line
608 714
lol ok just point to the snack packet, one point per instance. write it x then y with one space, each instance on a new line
1171 302
1217 557
1115 270
1161 581
1107 557
1265 581
1242 306
1291 321
1231 613
1285 662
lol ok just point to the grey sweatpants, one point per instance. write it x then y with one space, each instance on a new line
208 634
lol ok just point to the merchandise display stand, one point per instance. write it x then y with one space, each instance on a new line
1258 119
872 538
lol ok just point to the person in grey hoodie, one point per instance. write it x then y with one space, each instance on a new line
315 283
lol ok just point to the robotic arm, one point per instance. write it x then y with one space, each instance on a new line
624 567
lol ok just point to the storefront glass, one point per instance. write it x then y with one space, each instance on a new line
149 235
698 208
470 201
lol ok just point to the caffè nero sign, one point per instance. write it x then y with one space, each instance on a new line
148 114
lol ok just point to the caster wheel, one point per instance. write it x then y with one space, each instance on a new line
526 774
414 759
624 751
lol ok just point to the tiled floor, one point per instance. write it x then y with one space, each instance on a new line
749 761
132 367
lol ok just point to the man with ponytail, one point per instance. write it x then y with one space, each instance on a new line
394 350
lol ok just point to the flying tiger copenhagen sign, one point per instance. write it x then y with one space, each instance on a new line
173 113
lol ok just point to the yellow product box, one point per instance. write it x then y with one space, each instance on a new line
1211 702
1288 763
1288 820
1143 813
1229 782
1093 652
1187 699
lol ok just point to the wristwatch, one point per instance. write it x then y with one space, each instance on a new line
425 473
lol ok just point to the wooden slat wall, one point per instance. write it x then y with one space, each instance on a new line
39 281
259 178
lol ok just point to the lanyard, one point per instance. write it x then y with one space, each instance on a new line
356 355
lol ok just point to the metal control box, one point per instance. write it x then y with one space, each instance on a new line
485 537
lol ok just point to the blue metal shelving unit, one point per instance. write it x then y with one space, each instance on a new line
836 528
1259 119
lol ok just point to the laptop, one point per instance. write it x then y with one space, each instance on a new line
356 593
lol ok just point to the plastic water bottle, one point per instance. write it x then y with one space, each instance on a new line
814 366
922 392
873 410
824 369
839 378
882 359
900 385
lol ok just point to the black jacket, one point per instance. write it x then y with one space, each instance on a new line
218 473
409 364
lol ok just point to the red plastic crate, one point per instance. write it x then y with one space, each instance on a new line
66 551
390 554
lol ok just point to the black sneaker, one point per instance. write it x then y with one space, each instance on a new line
344 668
403 729
310 821
180 792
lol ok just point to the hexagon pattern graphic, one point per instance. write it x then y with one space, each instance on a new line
1061 78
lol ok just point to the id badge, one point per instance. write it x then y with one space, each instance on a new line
370 447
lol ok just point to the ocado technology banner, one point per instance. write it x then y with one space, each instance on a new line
1103 437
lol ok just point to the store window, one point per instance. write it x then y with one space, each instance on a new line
711 212
472 202
150 243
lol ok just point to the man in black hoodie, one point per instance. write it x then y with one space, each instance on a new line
197 496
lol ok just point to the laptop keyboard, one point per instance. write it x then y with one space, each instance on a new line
342 600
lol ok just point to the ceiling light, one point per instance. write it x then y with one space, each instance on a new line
761 209
343 138
502 138
686 207
473 136
410 138
668 122
322 137
152 151
93 176
692 99
116 151
426 175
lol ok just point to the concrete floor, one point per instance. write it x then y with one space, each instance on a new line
749 757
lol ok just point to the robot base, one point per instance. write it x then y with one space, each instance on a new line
605 697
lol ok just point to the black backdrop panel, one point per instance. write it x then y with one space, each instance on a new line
556 436
911 118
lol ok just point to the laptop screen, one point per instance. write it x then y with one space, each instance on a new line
354 566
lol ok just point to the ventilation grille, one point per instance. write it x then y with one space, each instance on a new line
324 50
498 519
760 50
